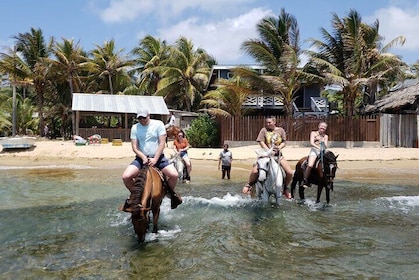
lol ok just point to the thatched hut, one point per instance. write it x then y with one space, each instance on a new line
399 120
402 99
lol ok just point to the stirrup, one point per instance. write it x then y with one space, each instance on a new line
306 184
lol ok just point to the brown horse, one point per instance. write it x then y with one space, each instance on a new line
322 175
148 193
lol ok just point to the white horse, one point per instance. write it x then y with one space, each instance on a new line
179 165
271 176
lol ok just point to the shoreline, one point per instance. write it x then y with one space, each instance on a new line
359 164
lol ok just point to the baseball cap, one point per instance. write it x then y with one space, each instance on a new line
142 112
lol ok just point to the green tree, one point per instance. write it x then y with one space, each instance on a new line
352 58
203 132
33 48
69 62
150 55
18 72
278 49
112 67
228 98
185 76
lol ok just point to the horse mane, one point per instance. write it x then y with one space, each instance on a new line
139 184
330 156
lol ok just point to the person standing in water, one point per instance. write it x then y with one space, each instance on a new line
225 159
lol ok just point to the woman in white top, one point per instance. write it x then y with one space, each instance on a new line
318 141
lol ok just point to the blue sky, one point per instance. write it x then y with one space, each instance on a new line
218 26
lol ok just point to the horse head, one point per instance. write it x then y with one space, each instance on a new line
263 162
330 166
178 163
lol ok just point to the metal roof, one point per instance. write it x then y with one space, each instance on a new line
118 103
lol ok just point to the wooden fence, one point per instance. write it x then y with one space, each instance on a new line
339 128
399 130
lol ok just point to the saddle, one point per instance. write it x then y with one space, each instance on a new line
176 200
305 163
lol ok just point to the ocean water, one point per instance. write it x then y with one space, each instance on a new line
62 222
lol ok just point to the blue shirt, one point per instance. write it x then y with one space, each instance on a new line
148 136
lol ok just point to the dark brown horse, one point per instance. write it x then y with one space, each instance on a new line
322 174
148 193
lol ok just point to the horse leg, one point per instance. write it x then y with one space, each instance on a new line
327 195
293 185
301 191
156 214
319 192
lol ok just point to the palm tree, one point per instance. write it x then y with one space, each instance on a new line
352 58
228 98
33 48
184 76
279 51
17 70
69 62
151 54
112 66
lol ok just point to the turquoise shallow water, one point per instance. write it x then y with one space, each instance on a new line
63 223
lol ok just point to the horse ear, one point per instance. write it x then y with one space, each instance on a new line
337 156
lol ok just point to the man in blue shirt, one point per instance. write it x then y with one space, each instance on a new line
148 140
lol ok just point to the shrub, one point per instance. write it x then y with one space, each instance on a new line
203 132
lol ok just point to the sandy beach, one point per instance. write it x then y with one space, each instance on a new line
375 163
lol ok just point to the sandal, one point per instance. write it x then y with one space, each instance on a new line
286 193
249 189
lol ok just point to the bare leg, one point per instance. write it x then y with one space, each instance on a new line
253 177
127 177
188 166
288 176
172 176
307 172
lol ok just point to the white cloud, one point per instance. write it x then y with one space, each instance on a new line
222 39
396 22
126 10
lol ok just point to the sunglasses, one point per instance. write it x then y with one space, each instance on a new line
180 135
142 118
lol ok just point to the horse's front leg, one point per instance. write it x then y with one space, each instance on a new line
319 192
293 185
301 191
327 195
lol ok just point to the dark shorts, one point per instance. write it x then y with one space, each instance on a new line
161 163
225 167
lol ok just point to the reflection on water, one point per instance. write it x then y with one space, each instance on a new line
59 223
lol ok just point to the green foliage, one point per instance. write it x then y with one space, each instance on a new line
203 132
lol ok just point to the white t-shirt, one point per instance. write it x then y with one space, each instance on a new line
148 136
